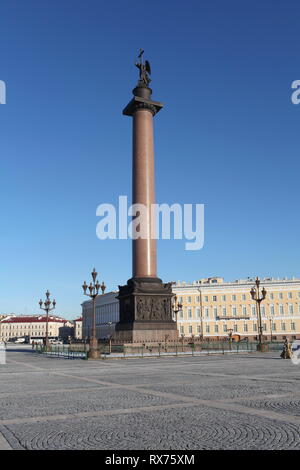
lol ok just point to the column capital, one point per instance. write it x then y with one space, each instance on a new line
139 102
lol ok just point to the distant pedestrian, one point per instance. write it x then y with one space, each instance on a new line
287 352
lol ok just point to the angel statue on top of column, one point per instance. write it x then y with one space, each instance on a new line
144 68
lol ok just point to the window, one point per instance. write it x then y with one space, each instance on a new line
225 327
198 329
281 310
245 327
253 310
189 312
272 309
290 295
223 298
206 298
244 310
198 312
233 297
254 327
274 326
181 330
263 311
206 312
280 295
215 312
189 299
190 329
216 328
214 298
224 311
180 300
293 327
234 311
181 314
291 309
207 328
198 299
264 326
244 297
271 296
235 328
283 326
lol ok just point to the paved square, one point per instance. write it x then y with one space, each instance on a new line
245 401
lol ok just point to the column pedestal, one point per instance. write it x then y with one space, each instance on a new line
145 312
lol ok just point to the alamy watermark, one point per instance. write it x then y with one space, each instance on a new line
178 222
295 97
2 92
2 353
296 352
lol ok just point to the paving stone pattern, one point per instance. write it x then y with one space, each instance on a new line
247 401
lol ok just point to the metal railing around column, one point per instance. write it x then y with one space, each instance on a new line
161 350
63 351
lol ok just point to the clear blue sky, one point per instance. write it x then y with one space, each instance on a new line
227 137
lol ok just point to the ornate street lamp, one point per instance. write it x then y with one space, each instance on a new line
92 291
47 306
176 307
258 299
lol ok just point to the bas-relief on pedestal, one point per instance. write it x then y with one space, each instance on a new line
146 311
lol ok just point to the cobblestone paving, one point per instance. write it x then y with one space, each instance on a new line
249 401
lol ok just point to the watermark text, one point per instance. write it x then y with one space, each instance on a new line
157 221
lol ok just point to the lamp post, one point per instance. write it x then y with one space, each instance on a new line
201 316
109 337
176 307
255 294
182 340
271 325
230 331
93 293
47 306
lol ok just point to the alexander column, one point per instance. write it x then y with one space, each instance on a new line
145 302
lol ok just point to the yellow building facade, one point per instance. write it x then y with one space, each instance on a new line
216 309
